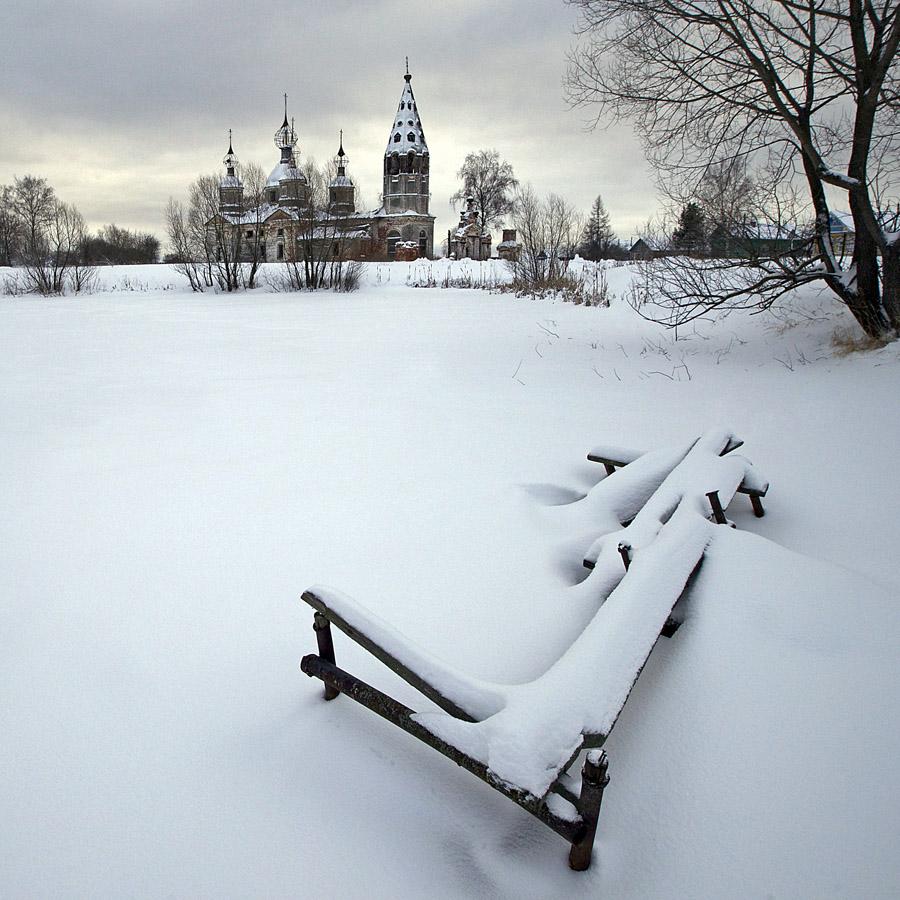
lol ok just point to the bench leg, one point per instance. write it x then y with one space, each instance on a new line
610 468
322 628
757 506
716 506
593 780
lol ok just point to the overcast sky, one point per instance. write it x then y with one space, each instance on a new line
120 104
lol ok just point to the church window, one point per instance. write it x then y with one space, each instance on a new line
393 239
423 244
280 232
411 137
249 232
397 138
280 253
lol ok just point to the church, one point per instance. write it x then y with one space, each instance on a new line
401 228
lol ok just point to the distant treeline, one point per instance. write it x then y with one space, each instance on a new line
36 226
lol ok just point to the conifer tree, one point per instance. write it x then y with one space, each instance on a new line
690 233
598 238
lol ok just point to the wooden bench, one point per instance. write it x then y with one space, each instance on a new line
614 458
523 739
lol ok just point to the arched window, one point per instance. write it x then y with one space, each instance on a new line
397 137
393 239
423 244
280 252
411 138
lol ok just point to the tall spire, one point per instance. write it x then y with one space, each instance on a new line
231 189
407 133
341 159
406 158
230 162
286 137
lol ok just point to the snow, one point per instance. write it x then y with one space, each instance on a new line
284 172
406 125
693 475
178 468
541 725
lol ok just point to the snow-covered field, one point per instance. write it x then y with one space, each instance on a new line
177 468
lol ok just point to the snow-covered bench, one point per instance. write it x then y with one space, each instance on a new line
523 739
613 457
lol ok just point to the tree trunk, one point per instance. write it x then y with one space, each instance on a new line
865 301
890 283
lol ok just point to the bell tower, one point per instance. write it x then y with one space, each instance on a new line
406 159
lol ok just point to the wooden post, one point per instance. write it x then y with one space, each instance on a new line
593 781
716 506
322 628
610 468
625 553
757 506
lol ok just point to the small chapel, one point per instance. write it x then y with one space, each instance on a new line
401 228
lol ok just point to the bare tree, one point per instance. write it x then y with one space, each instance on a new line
255 211
54 259
33 203
44 236
10 229
490 182
547 232
727 194
562 225
222 240
315 254
803 90
186 254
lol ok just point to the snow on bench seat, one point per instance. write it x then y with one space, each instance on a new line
707 467
615 458
544 723
452 689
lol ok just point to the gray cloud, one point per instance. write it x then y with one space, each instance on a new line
121 105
